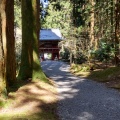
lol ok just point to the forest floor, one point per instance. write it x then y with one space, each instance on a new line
32 101
110 75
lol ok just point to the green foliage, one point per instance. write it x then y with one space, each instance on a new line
73 18
18 47
2 103
80 68
65 54
3 93
17 13
58 16
80 58
85 68
105 52
104 18
17 25
105 75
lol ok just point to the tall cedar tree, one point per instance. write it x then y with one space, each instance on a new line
36 71
2 52
10 59
27 40
7 46
30 65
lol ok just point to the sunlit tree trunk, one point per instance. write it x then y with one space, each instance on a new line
92 45
92 23
3 91
36 71
30 64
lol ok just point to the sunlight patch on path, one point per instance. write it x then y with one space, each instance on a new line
64 68
66 89
85 116
82 99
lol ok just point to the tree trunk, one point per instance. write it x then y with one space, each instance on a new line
71 58
30 64
92 23
3 91
117 31
37 71
112 19
27 41
10 60
92 45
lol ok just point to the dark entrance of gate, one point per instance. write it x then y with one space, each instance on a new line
48 47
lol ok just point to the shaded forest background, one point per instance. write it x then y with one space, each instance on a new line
91 29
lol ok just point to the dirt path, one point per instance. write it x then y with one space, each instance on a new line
82 99
33 101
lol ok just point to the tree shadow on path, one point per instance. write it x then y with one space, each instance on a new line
82 99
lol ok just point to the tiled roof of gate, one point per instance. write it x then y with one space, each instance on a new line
50 34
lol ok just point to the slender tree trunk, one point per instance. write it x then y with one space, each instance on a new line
117 31
10 60
112 19
92 23
70 57
3 91
2 67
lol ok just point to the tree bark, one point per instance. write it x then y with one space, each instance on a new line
10 60
27 41
117 31
37 72
3 91
30 64
92 23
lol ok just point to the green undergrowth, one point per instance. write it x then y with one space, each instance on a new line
23 116
105 75
5 103
40 75
109 75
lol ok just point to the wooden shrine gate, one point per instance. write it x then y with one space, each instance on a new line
49 39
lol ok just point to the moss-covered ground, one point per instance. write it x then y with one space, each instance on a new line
110 75
31 101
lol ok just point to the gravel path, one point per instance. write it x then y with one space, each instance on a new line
81 99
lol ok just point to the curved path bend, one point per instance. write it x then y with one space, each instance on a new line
82 99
